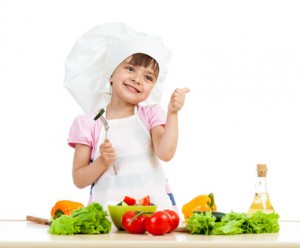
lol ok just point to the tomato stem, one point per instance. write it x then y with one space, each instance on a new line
138 213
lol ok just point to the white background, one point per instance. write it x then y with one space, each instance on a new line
241 60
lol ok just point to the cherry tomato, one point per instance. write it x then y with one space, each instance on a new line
174 217
129 200
158 223
134 222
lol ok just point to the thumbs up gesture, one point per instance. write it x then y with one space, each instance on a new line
177 99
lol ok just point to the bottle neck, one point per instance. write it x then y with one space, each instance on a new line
261 185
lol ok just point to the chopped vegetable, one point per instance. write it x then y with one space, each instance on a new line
199 203
89 220
64 207
233 223
129 200
145 201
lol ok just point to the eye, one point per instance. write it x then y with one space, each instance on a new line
149 78
130 68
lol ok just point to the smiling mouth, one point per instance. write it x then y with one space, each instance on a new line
131 88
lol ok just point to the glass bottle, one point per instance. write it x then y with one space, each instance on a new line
261 199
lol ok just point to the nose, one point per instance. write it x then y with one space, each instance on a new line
136 79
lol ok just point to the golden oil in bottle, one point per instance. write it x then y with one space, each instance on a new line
261 201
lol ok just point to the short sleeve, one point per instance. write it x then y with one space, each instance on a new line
82 131
152 115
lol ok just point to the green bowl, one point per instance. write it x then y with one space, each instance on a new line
116 212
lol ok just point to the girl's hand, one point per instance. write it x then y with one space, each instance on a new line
107 152
177 100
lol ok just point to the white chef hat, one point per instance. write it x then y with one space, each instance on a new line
97 53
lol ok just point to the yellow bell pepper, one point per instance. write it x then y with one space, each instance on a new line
199 203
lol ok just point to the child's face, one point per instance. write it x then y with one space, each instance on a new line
131 83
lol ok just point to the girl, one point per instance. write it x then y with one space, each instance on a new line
139 134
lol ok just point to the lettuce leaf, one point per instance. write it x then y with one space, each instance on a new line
233 223
89 220
260 222
64 225
231 227
201 223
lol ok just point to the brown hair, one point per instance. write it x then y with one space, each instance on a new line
141 59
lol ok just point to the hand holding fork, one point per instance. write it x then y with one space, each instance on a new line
106 127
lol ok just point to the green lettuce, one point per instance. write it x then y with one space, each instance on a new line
202 223
233 223
89 220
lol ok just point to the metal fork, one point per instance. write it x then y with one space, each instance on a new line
106 127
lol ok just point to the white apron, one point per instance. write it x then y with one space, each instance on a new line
140 172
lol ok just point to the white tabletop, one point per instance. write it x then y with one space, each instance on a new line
28 234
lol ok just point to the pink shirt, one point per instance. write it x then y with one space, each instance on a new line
85 130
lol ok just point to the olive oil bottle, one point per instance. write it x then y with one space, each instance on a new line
261 201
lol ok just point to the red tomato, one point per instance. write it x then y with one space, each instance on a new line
158 223
145 201
129 200
133 222
174 217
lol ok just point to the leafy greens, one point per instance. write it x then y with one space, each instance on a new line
89 220
233 223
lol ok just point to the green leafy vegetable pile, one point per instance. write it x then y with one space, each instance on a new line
233 223
89 220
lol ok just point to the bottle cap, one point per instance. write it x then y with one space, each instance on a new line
261 170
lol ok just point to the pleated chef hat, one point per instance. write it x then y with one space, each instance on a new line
97 53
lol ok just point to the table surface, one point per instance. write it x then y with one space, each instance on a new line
29 234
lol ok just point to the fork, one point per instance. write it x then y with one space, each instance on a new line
106 127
